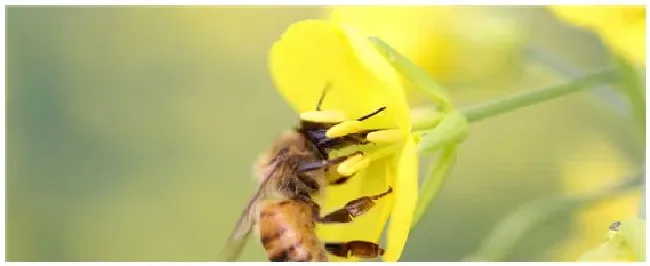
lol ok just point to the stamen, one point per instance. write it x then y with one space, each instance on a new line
359 162
344 128
386 136
382 152
349 168
323 116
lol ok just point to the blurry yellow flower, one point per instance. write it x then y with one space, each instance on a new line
594 164
453 44
312 53
622 28
624 242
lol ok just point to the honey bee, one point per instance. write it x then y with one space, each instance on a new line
292 173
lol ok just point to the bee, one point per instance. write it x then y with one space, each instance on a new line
283 211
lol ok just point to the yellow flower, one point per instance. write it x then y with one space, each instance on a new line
312 53
442 40
593 164
625 242
622 28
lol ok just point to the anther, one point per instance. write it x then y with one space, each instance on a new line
344 128
386 136
353 165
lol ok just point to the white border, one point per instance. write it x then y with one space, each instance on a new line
321 2
258 2
4 131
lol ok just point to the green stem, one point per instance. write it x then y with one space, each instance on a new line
606 93
527 98
505 236
635 91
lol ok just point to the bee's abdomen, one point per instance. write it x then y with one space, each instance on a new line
299 251
285 235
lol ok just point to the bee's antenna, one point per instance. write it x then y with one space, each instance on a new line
328 85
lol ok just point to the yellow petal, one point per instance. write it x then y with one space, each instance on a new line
313 52
368 227
419 33
323 116
406 196
628 41
622 29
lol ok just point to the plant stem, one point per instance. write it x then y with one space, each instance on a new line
606 94
635 91
527 98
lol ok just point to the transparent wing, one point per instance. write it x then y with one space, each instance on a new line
239 236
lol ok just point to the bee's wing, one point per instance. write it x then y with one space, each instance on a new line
239 236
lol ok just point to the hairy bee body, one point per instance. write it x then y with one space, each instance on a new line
287 232
292 174
280 167
286 226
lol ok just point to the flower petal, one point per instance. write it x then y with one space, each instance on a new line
629 41
367 227
314 52
406 196
622 28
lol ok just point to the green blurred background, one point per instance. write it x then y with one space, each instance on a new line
131 131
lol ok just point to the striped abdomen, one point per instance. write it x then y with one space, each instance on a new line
287 232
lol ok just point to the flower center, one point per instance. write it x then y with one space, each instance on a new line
359 162
383 142
389 141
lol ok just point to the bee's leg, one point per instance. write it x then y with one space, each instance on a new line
310 166
352 209
360 249
340 181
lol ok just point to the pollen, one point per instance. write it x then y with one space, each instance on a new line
349 167
344 128
323 116
387 136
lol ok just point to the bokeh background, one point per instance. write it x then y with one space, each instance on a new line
131 131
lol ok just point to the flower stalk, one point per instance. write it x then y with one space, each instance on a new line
528 98
635 90
446 127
